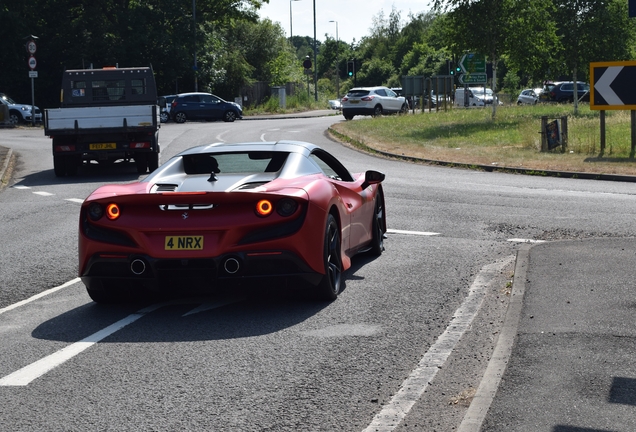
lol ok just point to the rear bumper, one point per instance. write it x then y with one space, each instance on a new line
357 111
142 272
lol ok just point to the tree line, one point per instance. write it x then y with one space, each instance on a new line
525 41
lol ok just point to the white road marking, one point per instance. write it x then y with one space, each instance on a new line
27 374
518 240
35 370
75 200
421 233
416 383
41 193
40 295
21 187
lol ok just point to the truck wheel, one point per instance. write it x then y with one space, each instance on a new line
59 166
180 117
72 162
141 161
153 161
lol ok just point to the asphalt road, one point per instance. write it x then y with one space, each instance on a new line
408 345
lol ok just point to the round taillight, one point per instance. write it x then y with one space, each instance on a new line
286 207
112 211
95 211
264 208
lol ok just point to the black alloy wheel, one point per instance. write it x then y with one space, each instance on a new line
329 286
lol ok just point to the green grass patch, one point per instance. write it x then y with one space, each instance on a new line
512 138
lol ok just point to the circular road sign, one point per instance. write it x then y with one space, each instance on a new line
32 62
31 47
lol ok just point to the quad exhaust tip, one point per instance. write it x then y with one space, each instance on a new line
231 265
138 266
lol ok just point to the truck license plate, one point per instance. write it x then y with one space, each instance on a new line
103 146
184 243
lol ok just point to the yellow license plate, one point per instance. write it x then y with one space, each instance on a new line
184 243
103 146
354 101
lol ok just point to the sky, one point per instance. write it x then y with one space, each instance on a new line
354 17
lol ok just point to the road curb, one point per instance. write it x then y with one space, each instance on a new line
6 160
501 354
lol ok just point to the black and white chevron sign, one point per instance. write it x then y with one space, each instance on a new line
613 85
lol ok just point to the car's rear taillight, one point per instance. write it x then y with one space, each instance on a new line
264 208
344 99
112 211
367 98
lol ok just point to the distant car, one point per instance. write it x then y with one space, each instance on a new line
527 97
564 91
373 101
20 113
230 214
165 102
335 104
203 106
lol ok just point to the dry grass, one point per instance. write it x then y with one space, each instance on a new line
512 139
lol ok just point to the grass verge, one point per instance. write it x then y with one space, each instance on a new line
513 140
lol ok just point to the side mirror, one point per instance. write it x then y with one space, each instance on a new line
372 177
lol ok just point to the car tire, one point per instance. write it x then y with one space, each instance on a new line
377 111
180 117
348 116
229 116
14 118
404 109
101 292
329 287
164 117
378 226
59 165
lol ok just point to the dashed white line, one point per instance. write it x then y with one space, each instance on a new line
35 370
42 193
21 187
40 295
75 200
416 383
519 240
27 374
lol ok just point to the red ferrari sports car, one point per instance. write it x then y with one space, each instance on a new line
223 214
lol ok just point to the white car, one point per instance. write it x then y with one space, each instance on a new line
373 101
528 97
334 104
20 113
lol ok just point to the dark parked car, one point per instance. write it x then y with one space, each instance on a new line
564 91
203 106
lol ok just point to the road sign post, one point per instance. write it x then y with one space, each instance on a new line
612 88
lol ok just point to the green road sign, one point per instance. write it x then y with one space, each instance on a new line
473 63
473 78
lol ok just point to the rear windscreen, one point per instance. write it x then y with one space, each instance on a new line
234 163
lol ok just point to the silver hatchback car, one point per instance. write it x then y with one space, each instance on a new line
373 101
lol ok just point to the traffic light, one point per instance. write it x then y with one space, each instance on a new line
458 69
350 68
451 68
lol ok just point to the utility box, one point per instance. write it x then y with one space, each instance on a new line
281 94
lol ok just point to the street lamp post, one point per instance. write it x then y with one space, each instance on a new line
194 27
315 59
337 61
291 33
